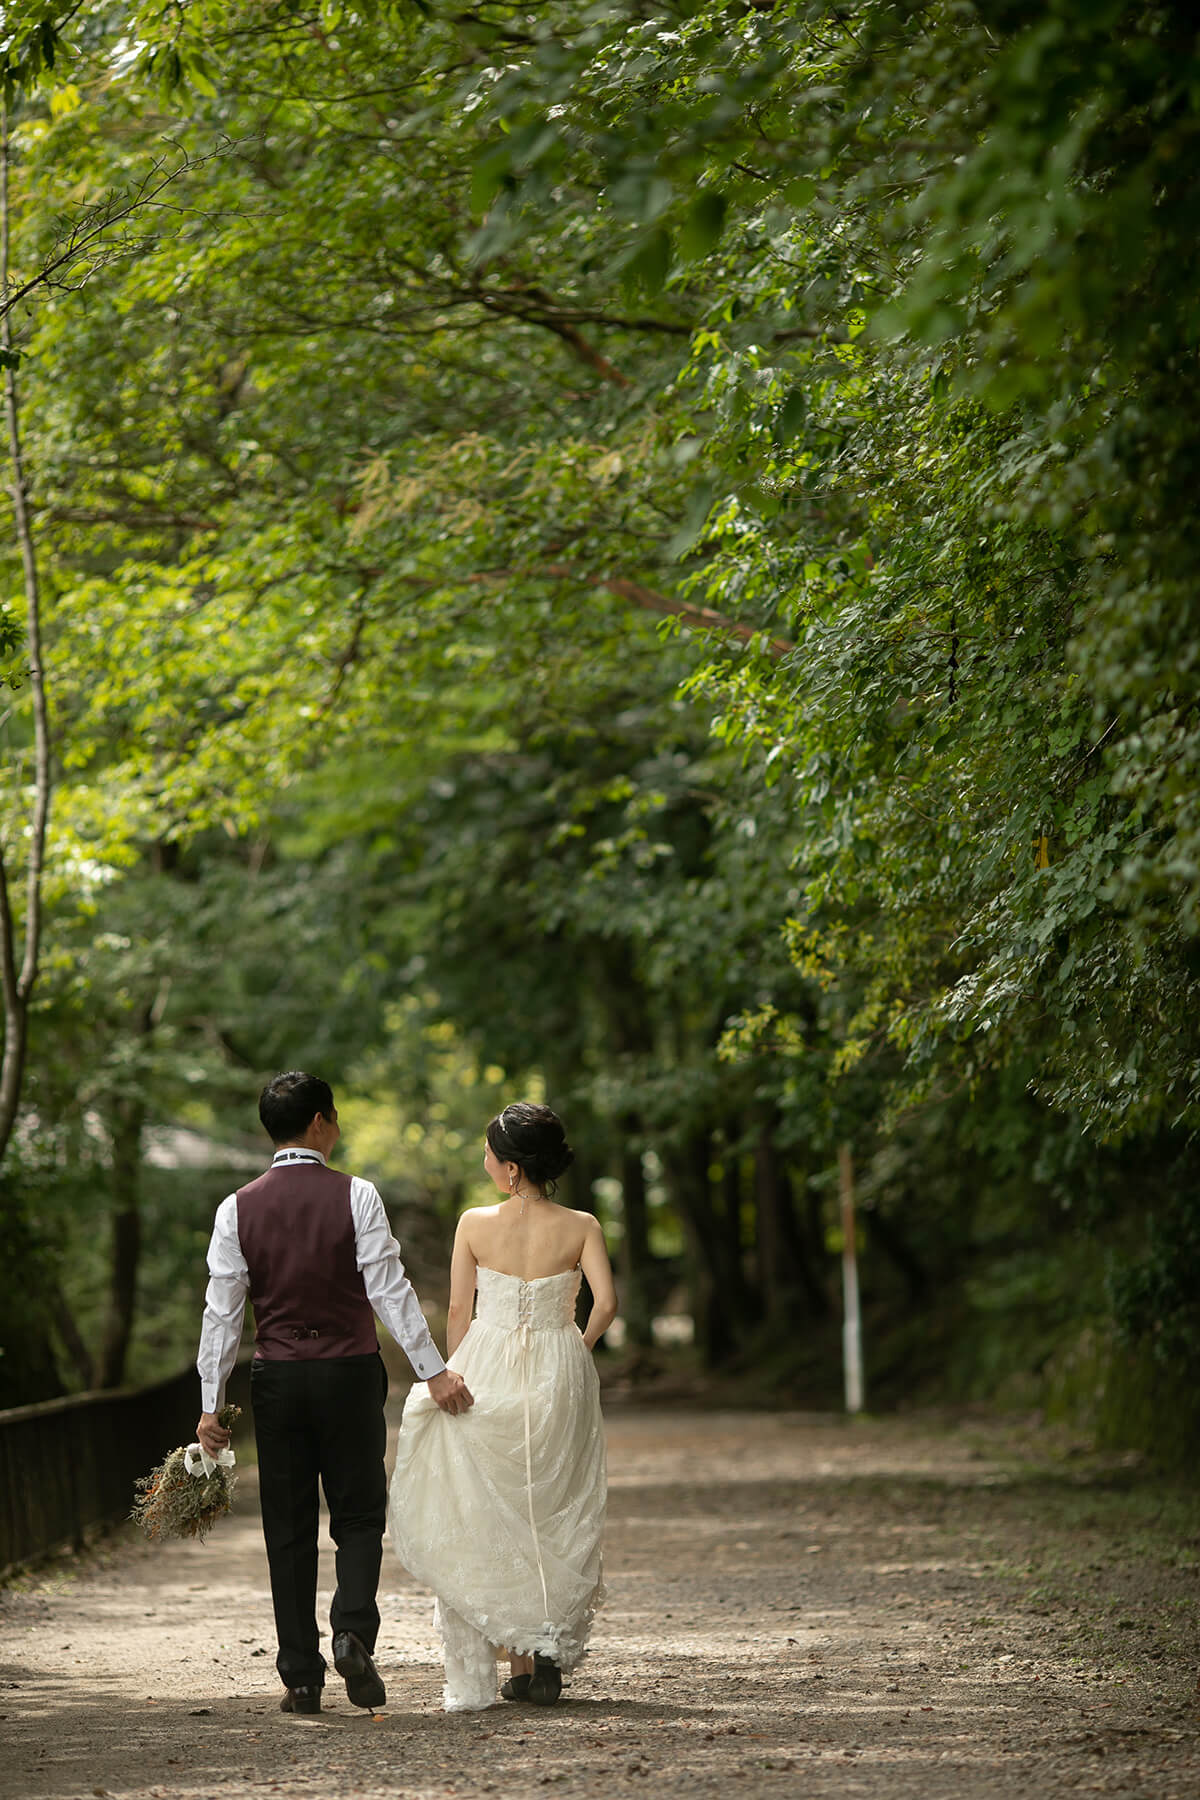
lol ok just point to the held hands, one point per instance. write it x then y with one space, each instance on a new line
450 1392
210 1434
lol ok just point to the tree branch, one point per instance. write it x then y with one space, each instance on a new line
586 352
132 521
700 618
85 238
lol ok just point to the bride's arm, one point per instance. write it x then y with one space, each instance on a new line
598 1271
462 1289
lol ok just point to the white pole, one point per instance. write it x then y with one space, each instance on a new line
851 1316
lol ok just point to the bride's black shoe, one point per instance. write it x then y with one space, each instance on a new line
545 1684
516 1687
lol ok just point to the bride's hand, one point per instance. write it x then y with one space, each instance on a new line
450 1392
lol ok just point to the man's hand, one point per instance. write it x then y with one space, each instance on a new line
451 1392
210 1435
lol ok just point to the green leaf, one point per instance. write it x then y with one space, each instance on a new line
489 174
641 195
651 265
698 508
703 225
800 193
529 146
791 418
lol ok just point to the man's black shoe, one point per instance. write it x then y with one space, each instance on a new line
301 1700
352 1661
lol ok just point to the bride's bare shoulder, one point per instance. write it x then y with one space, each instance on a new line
476 1215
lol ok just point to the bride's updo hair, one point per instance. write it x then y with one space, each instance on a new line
532 1136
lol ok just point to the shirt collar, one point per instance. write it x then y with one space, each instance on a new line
297 1153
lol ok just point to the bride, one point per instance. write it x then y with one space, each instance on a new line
500 1510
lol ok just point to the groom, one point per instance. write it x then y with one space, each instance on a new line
312 1250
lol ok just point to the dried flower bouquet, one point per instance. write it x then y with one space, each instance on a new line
188 1491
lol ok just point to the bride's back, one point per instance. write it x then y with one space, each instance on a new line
546 1239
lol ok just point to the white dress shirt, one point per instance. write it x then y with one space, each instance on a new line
377 1253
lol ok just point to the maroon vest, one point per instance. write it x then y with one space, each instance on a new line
297 1236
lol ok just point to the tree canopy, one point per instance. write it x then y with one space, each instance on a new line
645 548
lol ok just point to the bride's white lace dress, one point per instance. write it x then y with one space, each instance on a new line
500 1510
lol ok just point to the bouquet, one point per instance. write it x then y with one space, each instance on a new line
188 1491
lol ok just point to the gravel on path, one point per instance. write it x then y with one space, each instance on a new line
797 1604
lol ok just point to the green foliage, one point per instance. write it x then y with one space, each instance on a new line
27 1370
32 44
1154 1298
657 546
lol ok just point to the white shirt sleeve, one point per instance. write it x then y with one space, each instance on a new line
389 1290
224 1307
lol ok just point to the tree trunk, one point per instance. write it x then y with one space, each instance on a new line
713 1300
891 1240
808 1257
126 1248
564 1078
632 1039
28 1367
637 1264
73 1341
580 1183
585 1171
733 1248
791 1285
17 982
776 1277
32 1370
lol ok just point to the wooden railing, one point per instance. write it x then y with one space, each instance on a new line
67 1466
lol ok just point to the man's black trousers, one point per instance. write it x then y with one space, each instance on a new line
321 1419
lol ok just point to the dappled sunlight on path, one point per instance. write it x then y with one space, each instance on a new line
795 1605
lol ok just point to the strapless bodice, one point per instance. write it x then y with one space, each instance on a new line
508 1302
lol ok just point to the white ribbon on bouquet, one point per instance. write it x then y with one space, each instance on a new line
197 1461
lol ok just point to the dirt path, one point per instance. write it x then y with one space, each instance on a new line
796 1606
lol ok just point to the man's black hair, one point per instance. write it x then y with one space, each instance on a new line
290 1102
